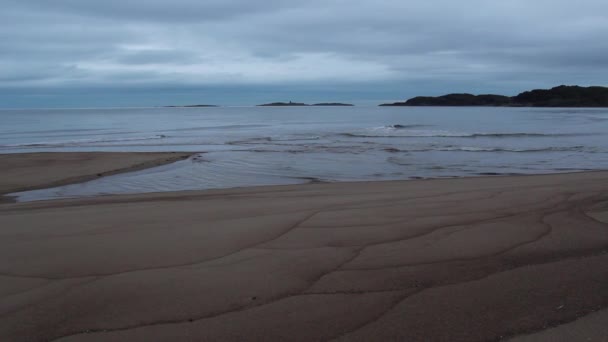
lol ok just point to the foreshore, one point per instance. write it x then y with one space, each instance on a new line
29 171
469 259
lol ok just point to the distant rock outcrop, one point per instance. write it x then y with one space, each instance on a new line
562 96
282 104
333 104
456 100
191 106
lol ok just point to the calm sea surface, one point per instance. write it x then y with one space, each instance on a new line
245 146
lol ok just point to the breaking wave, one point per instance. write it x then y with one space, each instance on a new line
265 140
494 149
395 133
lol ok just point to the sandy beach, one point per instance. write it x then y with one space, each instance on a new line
469 259
28 171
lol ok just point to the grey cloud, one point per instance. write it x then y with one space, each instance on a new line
157 57
509 44
157 10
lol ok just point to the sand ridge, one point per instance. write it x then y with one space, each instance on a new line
28 171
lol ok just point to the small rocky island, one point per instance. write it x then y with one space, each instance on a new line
330 104
192 106
282 104
562 96
296 104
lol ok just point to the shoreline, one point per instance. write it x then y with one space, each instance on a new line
99 164
63 168
468 259
279 188
162 158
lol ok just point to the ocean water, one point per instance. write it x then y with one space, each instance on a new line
247 146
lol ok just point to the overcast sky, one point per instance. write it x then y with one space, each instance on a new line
155 52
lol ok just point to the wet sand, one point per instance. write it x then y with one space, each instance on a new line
28 171
476 259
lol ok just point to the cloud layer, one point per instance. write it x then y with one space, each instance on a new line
432 44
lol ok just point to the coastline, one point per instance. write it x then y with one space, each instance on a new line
466 258
44 170
39 170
